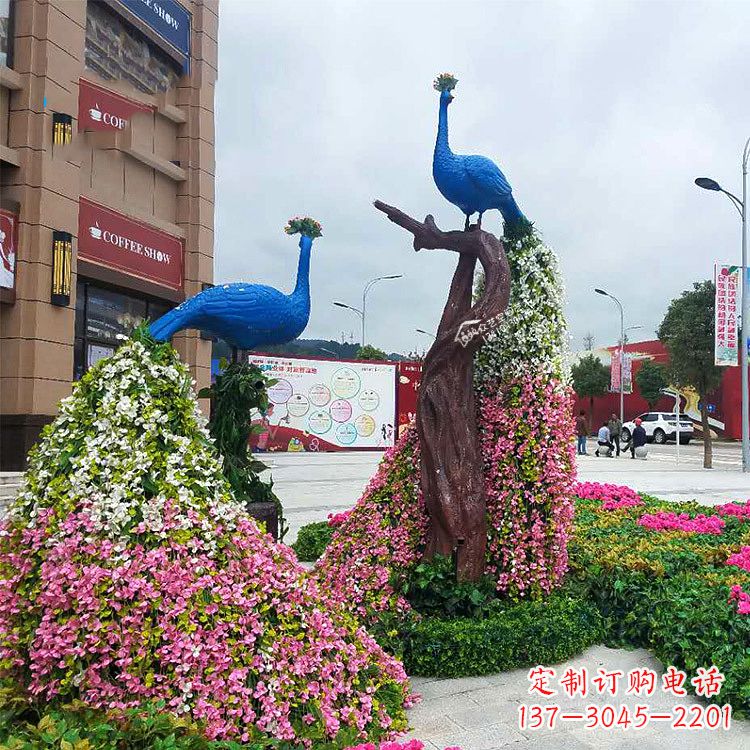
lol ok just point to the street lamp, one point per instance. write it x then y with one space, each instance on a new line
426 333
622 347
630 328
741 205
368 285
363 312
353 309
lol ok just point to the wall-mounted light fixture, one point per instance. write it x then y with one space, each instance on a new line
62 129
62 264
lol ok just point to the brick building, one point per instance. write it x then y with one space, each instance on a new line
106 189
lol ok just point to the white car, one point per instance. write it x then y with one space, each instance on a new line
660 427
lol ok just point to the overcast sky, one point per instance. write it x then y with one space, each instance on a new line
600 114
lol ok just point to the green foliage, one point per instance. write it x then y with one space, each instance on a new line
432 590
687 332
667 591
445 82
515 635
77 727
590 377
371 352
650 379
304 225
312 540
239 390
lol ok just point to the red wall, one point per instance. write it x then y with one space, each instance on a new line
727 398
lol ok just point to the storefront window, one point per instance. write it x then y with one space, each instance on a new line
104 317
5 33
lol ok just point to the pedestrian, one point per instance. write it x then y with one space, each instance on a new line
615 430
603 440
582 431
638 438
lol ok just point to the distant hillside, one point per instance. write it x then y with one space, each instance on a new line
307 348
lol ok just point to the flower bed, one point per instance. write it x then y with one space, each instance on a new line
129 575
672 591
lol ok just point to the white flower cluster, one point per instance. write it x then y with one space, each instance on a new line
532 333
129 440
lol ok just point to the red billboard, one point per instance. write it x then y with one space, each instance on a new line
100 109
116 241
409 376
8 241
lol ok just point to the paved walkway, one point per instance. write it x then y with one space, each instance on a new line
481 713
312 485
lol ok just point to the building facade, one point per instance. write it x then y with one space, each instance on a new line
106 189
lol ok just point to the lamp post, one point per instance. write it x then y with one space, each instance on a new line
367 288
356 310
363 312
741 205
622 347
426 333
630 328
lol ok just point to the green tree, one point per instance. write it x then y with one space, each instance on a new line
650 379
590 379
687 332
370 352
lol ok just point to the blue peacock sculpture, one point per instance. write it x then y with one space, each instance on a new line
249 315
473 183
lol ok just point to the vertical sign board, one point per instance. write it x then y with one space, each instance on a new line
8 240
615 371
409 376
627 373
169 20
727 280
324 405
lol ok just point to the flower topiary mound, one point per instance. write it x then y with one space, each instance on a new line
128 575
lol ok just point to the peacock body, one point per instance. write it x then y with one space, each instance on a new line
473 183
249 315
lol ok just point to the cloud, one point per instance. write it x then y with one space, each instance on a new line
600 114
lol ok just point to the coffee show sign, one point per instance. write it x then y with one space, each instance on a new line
116 241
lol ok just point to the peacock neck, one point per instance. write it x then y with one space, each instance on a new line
302 289
441 145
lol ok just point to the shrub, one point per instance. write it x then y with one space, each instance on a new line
128 575
312 540
511 636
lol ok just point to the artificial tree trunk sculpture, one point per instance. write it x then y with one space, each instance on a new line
452 478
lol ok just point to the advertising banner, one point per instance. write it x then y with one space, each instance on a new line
615 371
168 19
727 280
409 376
100 109
627 373
116 241
8 239
322 405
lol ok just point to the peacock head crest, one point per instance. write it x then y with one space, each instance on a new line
305 226
445 83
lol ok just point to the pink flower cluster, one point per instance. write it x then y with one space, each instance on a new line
410 745
668 521
613 496
375 545
226 629
741 559
742 598
336 519
740 511
527 429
